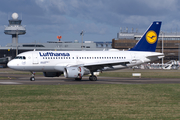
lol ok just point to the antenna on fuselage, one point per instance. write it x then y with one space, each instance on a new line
35 46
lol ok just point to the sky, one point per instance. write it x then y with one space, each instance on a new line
100 20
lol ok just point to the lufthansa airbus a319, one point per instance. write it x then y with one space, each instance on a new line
76 64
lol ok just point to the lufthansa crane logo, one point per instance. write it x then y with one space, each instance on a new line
151 37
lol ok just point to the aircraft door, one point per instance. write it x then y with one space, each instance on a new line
133 55
35 58
134 58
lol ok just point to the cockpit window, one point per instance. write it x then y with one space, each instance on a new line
20 57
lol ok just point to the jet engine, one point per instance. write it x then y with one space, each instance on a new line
74 72
52 74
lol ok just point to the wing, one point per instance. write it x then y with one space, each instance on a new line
94 66
107 63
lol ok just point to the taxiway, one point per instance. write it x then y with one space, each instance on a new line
13 78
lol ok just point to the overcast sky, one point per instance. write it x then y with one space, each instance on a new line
100 19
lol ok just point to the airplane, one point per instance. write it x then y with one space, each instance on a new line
76 64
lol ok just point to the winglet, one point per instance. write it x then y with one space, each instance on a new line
150 38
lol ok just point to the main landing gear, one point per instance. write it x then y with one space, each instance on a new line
92 77
33 76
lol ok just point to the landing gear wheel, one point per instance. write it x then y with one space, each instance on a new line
92 78
32 79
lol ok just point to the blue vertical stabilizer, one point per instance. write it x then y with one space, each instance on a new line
149 40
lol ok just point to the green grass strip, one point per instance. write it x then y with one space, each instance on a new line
80 102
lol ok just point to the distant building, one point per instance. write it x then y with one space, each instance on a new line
171 43
10 49
15 29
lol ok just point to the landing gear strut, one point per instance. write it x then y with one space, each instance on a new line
92 77
33 76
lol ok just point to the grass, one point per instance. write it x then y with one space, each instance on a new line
127 73
147 101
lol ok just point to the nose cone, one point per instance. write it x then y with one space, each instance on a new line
10 64
13 64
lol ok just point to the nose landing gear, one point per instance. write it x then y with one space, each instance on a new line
33 76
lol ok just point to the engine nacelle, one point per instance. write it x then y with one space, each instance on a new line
52 74
74 72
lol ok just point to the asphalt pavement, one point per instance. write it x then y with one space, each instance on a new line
13 78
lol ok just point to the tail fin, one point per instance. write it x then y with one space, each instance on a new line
149 40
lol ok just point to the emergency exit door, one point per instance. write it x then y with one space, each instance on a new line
35 58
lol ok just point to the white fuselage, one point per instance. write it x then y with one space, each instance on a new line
52 61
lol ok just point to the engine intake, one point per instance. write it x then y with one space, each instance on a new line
74 72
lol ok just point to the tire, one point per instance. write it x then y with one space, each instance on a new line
32 79
92 78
